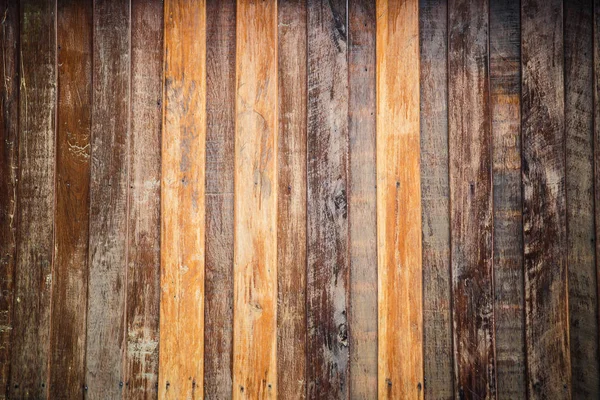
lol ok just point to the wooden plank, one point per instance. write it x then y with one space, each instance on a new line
9 120
220 138
181 355
544 208
255 186
505 109
327 204
35 191
596 127
362 200
74 119
291 223
435 193
399 201
107 280
143 257
470 151
581 261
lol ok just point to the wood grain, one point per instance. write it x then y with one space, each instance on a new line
291 179
143 257
327 202
220 135
256 197
181 355
544 206
399 201
505 110
596 133
435 193
35 191
74 118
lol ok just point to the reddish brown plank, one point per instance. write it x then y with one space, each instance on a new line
596 127
35 191
291 223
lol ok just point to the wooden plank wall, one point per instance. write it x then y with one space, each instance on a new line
299 199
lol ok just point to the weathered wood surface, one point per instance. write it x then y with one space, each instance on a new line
327 202
35 191
220 134
291 222
362 200
435 192
181 354
544 206
596 133
74 119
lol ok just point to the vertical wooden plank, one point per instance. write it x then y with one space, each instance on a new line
327 204
435 193
255 185
399 201
143 258
291 223
544 208
69 294
220 134
596 127
35 211
579 132
9 125
471 198
181 355
362 199
505 109
107 281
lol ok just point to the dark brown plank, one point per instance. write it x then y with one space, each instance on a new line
505 108
69 293
596 127
143 257
35 191
220 132
327 182
435 192
362 200
544 209
291 223
471 198
108 200
9 125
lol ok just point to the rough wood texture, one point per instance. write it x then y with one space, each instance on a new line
255 186
544 212
74 118
327 203
505 109
596 127
9 120
143 257
181 355
435 192
35 191
291 223
399 201
581 261
220 133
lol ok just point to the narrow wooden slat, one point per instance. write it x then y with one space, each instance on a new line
399 201
362 200
505 109
9 120
327 204
143 258
435 193
596 127
291 223
544 208
108 200
35 191
220 133
181 354
255 186
74 118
